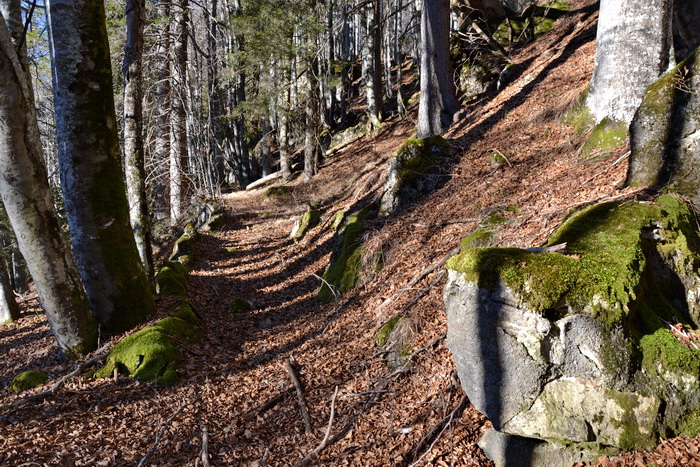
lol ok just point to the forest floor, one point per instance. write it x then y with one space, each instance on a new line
235 381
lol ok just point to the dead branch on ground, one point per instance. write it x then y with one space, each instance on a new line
300 396
161 432
312 455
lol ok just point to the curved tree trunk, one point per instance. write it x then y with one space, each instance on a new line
133 132
27 198
632 50
89 159
438 103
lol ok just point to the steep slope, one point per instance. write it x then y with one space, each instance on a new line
236 381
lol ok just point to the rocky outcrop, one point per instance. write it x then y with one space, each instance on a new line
577 348
665 132
409 172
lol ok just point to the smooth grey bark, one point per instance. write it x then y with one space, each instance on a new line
161 131
133 133
9 310
178 117
89 159
632 50
438 102
27 198
372 63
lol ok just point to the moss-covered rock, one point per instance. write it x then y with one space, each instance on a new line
408 174
184 248
172 279
306 222
185 312
149 355
524 325
665 136
216 222
28 380
347 260
337 221
395 337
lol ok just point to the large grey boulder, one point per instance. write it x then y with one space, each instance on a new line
576 348
665 132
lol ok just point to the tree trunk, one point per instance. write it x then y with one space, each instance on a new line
632 50
313 120
89 158
27 198
161 149
438 103
9 310
133 133
178 122
372 64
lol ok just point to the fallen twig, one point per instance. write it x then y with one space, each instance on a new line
312 455
418 277
204 452
423 293
269 404
300 395
99 355
160 432
436 431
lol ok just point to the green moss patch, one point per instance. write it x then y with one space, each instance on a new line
308 221
183 249
337 221
149 355
240 306
601 278
277 190
344 270
28 380
386 330
690 425
172 279
543 20
606 136
419 156
185 312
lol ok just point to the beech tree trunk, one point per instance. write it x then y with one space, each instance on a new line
89 159
178 117
372 64
9 310
161 146
133 132
438 102
632 51
27 198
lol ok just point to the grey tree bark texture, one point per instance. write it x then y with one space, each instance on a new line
92 181
632 50
438 101
9 310
372 63
27 198
133 133
178 117
161 146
